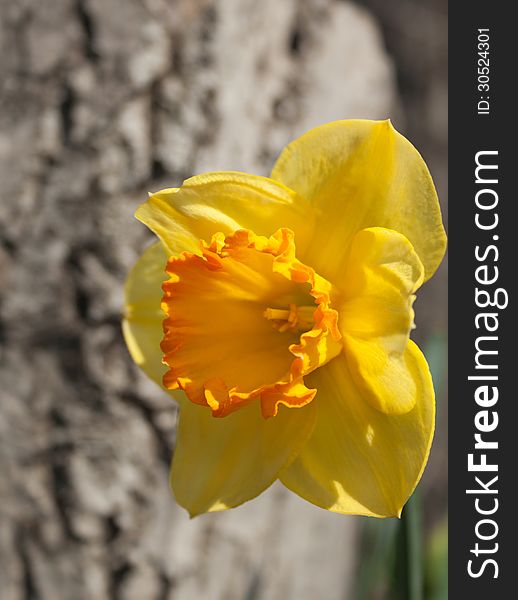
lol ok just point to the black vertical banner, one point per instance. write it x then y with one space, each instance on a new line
483 254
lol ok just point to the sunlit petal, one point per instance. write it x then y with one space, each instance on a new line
142 322
224 202
221 463
359 174
358 459
376 316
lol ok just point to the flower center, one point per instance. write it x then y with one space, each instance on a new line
246 321
298 318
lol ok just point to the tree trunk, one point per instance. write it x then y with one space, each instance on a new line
101 102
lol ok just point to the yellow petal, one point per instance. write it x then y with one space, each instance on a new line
382 273
359 460
221 463
224 202
360 174
142 322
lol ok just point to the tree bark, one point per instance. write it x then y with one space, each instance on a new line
102 101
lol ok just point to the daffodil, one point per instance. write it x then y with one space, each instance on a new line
278 310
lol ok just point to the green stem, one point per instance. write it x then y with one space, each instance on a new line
408 583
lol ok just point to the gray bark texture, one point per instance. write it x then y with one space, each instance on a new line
101 102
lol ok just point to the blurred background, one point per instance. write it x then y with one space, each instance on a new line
102 101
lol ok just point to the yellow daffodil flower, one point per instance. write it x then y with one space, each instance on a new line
278 312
